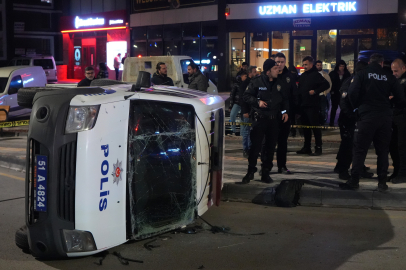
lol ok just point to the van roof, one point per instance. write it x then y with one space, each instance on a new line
6 71
32 57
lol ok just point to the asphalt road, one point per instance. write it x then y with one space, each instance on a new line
260 237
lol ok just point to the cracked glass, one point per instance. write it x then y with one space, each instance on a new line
162 166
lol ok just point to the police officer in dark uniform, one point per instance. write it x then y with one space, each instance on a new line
267 100
398 143
369 93
288 83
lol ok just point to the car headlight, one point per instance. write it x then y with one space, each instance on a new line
78 241
81 118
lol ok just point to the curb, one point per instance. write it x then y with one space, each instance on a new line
323 197
12 162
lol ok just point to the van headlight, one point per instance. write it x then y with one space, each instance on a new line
78 241
81 118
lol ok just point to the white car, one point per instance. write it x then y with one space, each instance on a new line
112 163
14 78
47 62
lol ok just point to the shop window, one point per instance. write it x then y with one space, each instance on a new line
357 32
139 33
237 52
173 31
387 39
172 47
259 49
155 48
155 32
191 48
348 52
301 49
191 30
280 43
304 33
364 44
139 49
209 61
209 29
326 48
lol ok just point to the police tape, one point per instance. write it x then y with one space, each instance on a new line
19 123
292 126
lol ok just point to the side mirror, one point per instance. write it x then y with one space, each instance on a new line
12 90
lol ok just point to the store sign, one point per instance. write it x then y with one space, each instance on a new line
111 22
88 22
78 55
309 8
304 22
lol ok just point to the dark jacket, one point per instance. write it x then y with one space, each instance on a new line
245 107
235 95
103 74
311 80
289 79
158 79
347 117
398 109
336 82
370 91
198 82
274 93
84 82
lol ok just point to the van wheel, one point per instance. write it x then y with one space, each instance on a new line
21 238
25 96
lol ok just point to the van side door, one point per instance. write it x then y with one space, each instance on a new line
16 82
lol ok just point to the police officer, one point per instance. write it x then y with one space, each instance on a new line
369 93
398 143
288 82
347 121
269 103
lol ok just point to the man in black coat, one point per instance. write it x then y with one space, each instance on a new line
337 76
160 77
311 84
369 93
89 73
269 103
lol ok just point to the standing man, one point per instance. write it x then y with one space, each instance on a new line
324 106
311 84
244 67
235 97
337 76
123 60
369 94
288 83
398 142
117 63
269 104
160 77
89 73
245 112
197 80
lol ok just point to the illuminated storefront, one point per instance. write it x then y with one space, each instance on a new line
89 40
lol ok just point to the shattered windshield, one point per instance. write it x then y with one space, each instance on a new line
162 166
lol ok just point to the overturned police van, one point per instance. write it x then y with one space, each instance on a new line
117 161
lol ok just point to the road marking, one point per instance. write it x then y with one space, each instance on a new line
12 176
9 149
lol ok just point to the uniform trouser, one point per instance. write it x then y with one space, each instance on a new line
344 155
310 117
264 128
245 132
398 145
377 130
282 151
335 101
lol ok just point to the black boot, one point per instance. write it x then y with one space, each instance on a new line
382 186
284 170
344 175
351 184
317 151
366 174
304 150
249 176
265 176
399 179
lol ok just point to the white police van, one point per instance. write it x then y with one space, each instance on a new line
110 163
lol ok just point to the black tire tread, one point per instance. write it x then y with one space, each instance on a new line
25 96
21 238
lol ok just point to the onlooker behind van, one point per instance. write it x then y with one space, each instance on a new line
160 77
197 80
89 73
103 72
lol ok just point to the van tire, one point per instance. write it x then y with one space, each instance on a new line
21 238
25 96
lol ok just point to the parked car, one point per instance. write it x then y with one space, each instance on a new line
14 78
177 69
47 62
116 161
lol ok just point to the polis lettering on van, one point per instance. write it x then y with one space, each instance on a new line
377 77
104 170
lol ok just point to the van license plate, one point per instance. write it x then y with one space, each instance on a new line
41 175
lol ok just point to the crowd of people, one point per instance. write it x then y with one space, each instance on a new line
372 110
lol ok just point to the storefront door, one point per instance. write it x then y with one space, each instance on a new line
302 47
89 53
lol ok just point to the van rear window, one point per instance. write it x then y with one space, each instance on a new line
3 83
44 63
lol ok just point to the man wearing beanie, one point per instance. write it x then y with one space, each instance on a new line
268 104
